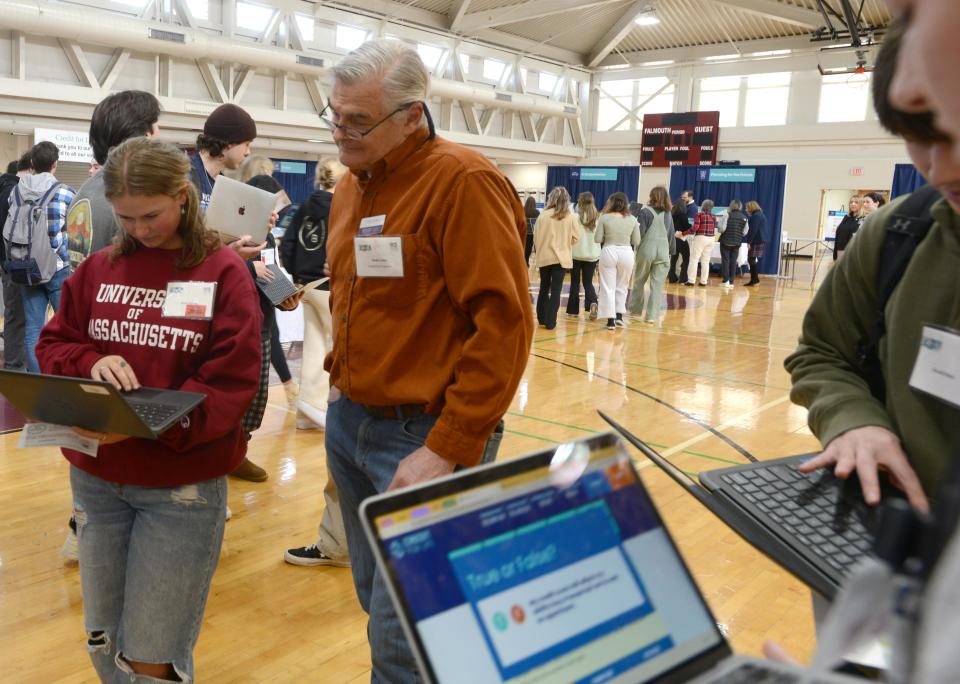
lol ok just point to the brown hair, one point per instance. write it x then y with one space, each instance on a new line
660 199
145 167
617 203
752 206
587 210
328 173
559 201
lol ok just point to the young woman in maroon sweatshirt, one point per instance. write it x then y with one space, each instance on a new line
150 513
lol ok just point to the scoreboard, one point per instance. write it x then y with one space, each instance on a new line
688 139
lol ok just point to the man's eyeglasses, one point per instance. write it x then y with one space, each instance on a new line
355 133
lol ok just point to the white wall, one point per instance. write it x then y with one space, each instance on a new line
526 177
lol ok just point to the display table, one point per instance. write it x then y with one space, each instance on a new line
742 254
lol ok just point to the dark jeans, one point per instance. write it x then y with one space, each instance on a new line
14 327
683 254
728 262
277 358
586 269
548 303
754 274
528 249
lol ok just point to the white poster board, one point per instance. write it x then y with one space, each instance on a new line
74 146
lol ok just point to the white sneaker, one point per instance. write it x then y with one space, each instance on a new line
70 550
229 514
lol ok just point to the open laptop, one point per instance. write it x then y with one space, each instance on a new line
237 209
96 405
553 567
815 526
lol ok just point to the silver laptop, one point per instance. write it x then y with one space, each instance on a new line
553 567
237 209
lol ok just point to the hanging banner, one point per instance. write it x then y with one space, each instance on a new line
74 146
734 175
687 139
602 174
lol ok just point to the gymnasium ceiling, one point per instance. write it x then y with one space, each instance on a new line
605 29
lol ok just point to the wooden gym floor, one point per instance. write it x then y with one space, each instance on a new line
716 361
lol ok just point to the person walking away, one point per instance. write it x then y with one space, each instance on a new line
657 242
14 340
730 240
554 235
531 212
756 238
682 253
619 235
703 231
586 254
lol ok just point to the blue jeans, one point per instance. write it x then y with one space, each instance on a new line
362 456
36 298
147 557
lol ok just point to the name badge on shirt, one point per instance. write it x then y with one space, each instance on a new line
379 257
372 225
189 299
937 369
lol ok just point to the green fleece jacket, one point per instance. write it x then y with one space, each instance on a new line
824 367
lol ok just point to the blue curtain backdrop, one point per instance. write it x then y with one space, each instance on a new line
767 190
298 185
628 181
906 179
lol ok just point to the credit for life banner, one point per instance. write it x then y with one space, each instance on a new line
74 146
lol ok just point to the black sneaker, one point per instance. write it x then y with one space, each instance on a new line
312 555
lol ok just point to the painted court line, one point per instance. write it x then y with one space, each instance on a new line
682 446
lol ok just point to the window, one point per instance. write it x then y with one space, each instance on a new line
430 54
305 24
349 37
622 103
844 97
253 17
465 63
768 96
721 94
493 69
200 9
545 81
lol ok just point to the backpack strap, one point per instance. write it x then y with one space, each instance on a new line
905 230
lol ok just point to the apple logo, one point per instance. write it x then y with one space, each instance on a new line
241 210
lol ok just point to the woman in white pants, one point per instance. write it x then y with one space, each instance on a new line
619 233
704 232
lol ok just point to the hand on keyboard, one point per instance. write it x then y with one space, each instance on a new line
115 370
867 450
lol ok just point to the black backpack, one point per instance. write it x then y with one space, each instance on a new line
905 230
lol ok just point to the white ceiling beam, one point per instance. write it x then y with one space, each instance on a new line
405 13
211 77
79 62
184 13
777 11
522 12
110 72
458 10
18 55
617 32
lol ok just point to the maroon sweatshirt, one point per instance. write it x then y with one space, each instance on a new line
116 308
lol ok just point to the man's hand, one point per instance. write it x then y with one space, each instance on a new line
867 450
115 370
334 395
263 273
291 302
420 466
246 247
102 437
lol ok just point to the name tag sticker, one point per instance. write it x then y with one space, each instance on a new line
189 299
372 225
937 369
379 257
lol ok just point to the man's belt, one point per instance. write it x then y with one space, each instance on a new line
399 412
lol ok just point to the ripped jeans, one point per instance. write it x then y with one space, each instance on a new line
147 557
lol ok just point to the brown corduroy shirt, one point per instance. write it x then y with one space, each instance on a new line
452 334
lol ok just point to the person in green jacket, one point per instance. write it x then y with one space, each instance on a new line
911 435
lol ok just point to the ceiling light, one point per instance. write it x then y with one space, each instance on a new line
647 17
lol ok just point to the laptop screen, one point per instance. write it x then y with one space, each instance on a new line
563 572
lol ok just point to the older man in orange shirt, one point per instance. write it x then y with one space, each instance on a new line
432 321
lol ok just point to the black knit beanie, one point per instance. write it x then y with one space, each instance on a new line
230 123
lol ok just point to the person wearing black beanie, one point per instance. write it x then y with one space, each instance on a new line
224 144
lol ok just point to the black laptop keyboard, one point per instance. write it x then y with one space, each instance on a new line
154 415
825 517
756 673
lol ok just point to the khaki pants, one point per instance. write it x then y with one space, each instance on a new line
317 333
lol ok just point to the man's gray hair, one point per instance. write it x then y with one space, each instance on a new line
405 78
